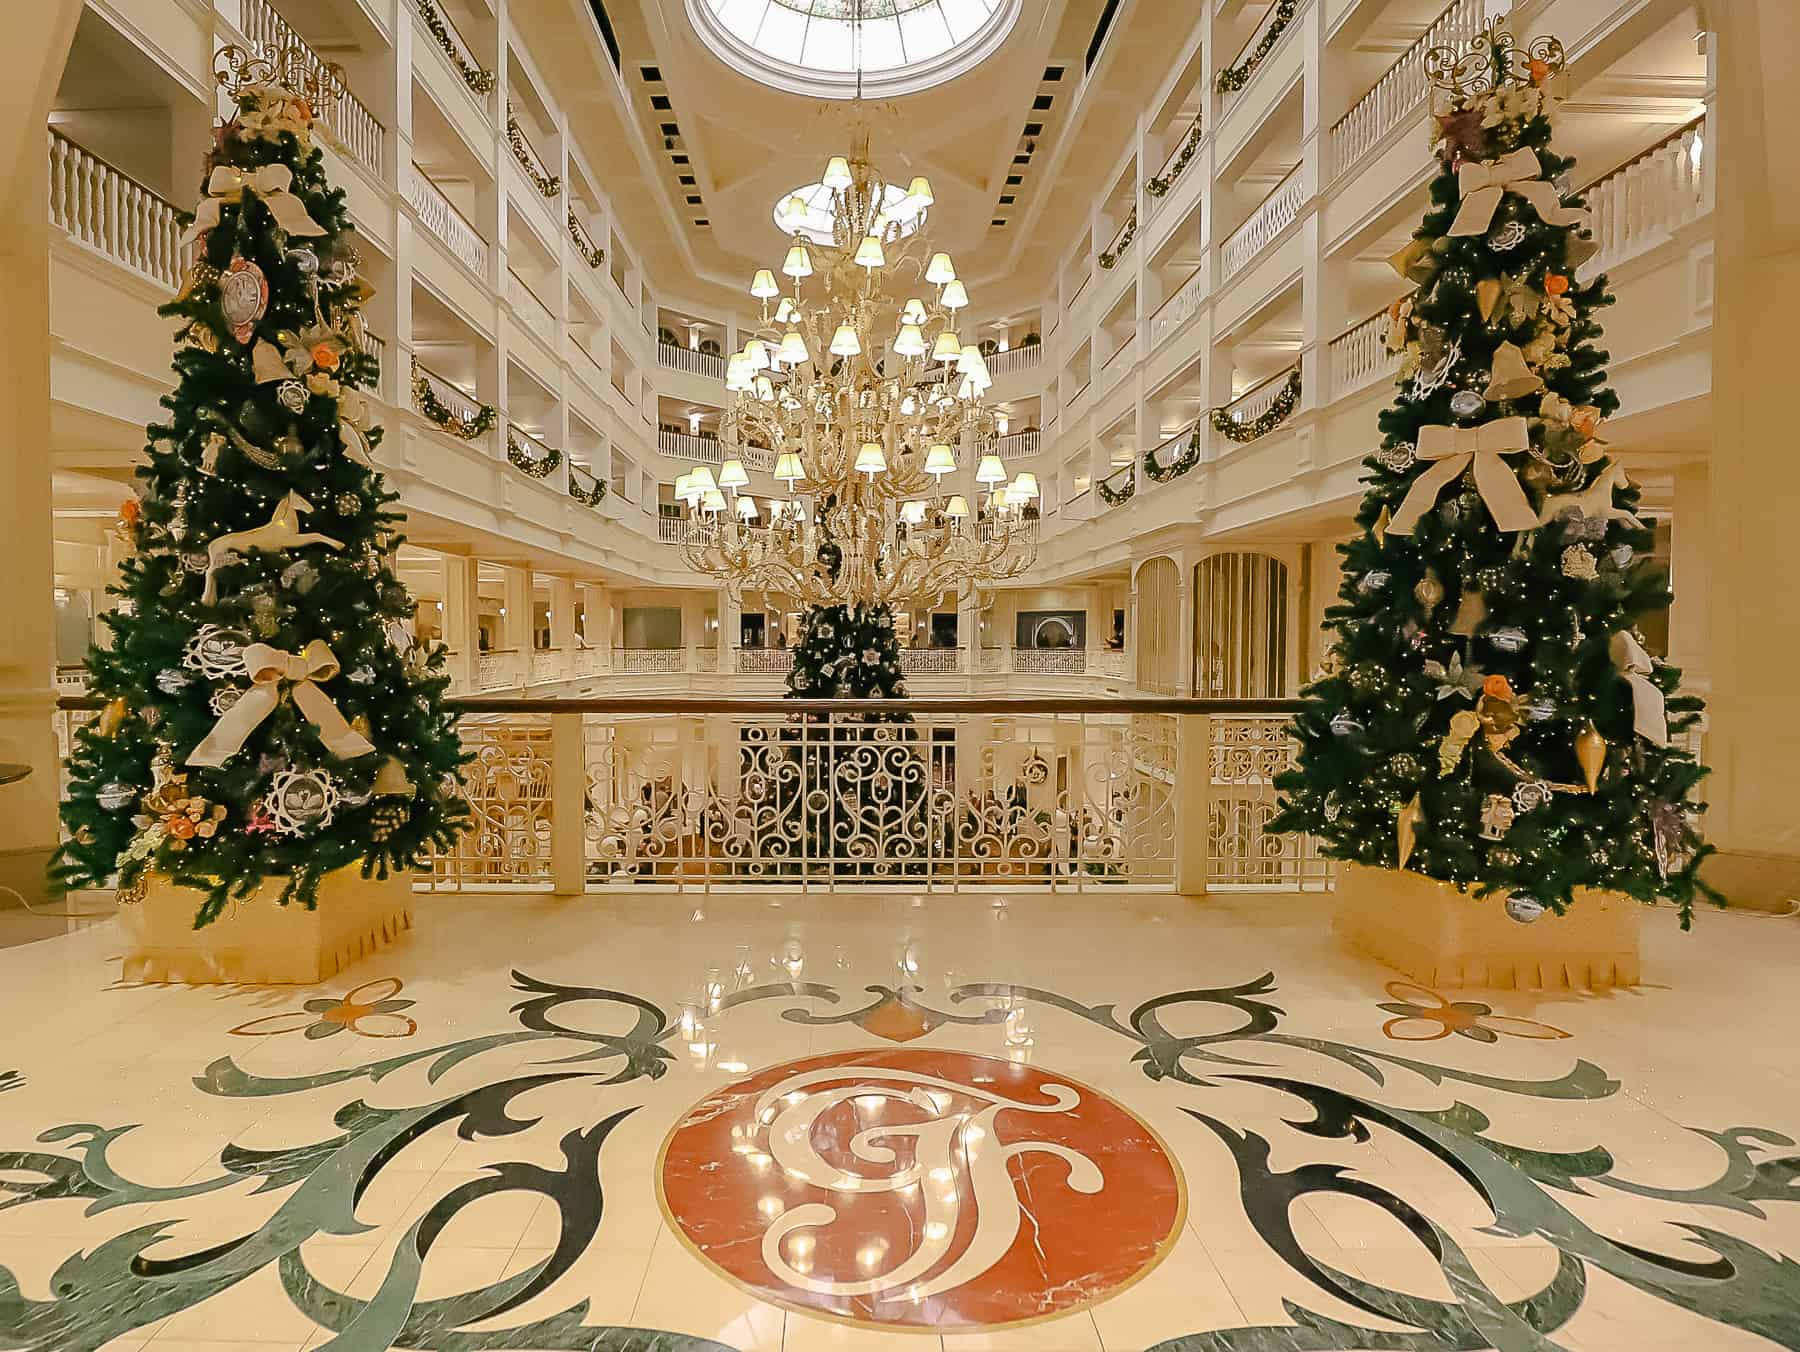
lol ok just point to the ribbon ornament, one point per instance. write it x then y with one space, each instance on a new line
274 672
1650 707
1483 184
271 182
1454 449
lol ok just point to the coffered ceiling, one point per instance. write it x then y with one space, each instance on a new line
1014 148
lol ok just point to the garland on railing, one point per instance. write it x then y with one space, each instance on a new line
588 497
591 254
435 410
550 185
1160 185
1112 497
542 467
481 81
1234 78
1110 258
1189 457
1286 401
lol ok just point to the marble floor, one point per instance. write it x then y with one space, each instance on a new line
1025 1124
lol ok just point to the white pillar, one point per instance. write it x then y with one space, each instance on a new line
462 620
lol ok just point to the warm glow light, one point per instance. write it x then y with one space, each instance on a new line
712 500
955 296
1025 487
737 372
799 262
756 352
957 509
702 478
793 348
746 507
844 342
990 471
940 271
913 312
1001 424
940 460
785 312
911 342
948 346
869 254
966 359
787 466
732 474
762 286
870 460
837 173
681 485
693 424
912 512
920 192
765 389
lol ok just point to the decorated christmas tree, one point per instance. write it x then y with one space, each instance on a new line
847 652
1488 714
269 714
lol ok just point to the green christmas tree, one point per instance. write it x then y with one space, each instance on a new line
1488 715
269 714
847 652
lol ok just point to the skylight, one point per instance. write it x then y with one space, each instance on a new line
816 47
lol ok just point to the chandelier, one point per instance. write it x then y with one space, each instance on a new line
857 390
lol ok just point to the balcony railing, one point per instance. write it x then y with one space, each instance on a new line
1259 398
588 251
528 158
345 116
1180 307
450 406
1176 162
684 794
500 669
1113 663
765 661
1275 24
1120 486
547 665
1114 252
1276 212
1648 198
1402 89
649 661
525 303
671 529
1017 445
1360 356
439 215
1050 661
109 211
587 661
1015 359
690 446
455 47
678 358
930 661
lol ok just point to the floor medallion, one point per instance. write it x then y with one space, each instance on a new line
918 1188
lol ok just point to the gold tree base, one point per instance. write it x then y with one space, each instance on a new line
1448 939
259 941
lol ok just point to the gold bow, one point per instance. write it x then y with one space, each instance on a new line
1650 707
1455 449
270 670
1484 183
271 182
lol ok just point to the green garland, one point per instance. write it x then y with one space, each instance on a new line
1190 456
587 497
1160 185
1267 421
434 410
540 468
481 81
550 185
590 253
1234 78
1112 497
1111 257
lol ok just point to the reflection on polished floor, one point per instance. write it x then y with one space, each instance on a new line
1051 1123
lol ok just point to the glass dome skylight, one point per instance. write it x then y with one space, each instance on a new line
816 47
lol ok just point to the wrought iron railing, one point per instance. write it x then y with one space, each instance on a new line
930 661
649 661
765 661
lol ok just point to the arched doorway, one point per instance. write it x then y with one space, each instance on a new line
1158 626
1240 627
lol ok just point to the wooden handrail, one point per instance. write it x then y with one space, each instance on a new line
701 704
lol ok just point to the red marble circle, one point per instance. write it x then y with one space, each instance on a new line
916 1188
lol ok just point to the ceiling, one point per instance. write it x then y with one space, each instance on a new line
677 109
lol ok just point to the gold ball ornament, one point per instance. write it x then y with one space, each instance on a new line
1590 753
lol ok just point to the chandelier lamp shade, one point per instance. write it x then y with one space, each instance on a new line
857 388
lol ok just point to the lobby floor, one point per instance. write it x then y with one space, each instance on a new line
1048 1124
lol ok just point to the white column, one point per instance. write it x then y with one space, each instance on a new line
562 625
462 620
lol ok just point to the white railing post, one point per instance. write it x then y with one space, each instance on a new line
568 827
1193 802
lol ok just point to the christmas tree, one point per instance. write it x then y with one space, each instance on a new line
1488 715
269 714
847 652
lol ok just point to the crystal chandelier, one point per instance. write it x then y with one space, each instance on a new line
857 389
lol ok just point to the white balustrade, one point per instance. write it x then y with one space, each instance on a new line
547 665
453 397
670 529
347 119
1179 308
1276 212
528 307
1015 359
1258 399
1644 201
1360 356
1050 661
649 661
1402 89
765 661
1017 445
1113 663
691 360
111 212
587 661
689 446
500 670
439 215
930 661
